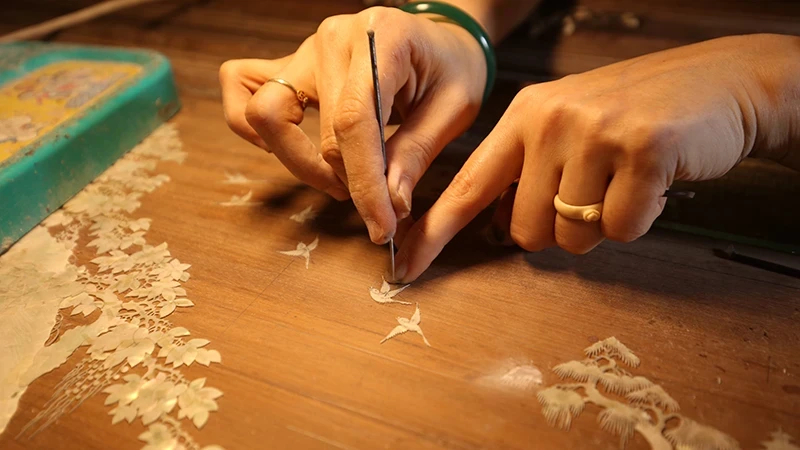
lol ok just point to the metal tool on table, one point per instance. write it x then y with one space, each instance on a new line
379 117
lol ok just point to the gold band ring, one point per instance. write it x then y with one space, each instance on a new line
301 96
589 213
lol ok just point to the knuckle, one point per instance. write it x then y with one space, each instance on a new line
558 111
329 147
422 151
556 117
523 237
330 28
238 124
379 15
526 96
570 245
258 114
648 144
597 120
463 188
350 113
623 232
367 197
229 69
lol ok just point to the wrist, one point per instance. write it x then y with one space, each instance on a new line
472 52
457 16
497 17
775 96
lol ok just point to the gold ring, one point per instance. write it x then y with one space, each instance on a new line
589 213
301 96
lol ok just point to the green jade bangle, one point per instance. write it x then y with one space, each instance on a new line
466 22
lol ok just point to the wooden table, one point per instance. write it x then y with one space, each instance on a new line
302 361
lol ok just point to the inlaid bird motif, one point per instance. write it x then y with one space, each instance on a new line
411 324
302 250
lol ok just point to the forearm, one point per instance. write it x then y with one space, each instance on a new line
498 17
776 99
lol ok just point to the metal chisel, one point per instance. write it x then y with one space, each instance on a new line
379 117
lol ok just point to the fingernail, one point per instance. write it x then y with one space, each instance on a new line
376 233
404 192
400 271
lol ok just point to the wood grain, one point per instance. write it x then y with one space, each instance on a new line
302 364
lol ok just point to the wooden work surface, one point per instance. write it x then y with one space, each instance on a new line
302 364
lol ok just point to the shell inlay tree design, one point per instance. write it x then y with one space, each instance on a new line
647 409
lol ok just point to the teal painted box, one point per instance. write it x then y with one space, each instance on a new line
67 113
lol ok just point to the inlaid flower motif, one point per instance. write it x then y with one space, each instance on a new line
174 270
159 437
197 401
157 396
82 303
190 352
168 306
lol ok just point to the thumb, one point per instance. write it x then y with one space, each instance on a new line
435 122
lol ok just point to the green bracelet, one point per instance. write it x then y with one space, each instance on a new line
466 22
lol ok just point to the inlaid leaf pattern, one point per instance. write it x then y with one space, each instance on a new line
133 353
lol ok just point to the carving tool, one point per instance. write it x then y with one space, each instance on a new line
678 194
730 253
379 117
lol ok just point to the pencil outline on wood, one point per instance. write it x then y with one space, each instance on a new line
647 412
243 200
386 294
132 292
304 215
302 250
406 325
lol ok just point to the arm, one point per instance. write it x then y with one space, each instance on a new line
498 17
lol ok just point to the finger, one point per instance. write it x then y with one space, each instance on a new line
494 165
239 80
583 182
632 203
403 227
358 134
533 217
500 228
333 49
275 113
435 122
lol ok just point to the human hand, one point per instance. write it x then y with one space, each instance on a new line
620 134
432 74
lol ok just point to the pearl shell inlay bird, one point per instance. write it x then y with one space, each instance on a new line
243 200
302 250
236 178
386 293
411 324
302 216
